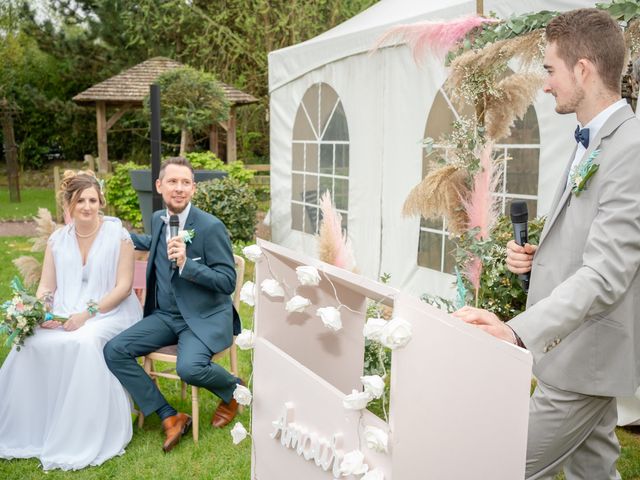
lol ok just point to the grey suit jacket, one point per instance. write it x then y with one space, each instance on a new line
582 322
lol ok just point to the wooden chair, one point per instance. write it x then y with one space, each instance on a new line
169 355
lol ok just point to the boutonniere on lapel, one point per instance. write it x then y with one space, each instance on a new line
187 235
583 172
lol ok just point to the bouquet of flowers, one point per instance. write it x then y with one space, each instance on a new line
22 314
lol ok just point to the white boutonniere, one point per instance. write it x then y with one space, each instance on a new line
583 172
187 235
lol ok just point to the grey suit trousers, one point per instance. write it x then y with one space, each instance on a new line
574 432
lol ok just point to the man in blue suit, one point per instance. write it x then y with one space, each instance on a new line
187 304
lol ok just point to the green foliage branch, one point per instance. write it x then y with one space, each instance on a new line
500 290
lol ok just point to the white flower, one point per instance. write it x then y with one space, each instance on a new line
396 333
272 288
373 328
375 474
248 293
376 439
242 395
356 400
330 317
308 275
187 235
246 340
297 304
22 321
253 253
238 433
373 384
353 464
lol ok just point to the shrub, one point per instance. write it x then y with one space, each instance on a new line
209 161
233 202
121 195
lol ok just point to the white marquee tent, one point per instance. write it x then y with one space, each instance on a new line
352 122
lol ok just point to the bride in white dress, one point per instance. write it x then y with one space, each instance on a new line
59 402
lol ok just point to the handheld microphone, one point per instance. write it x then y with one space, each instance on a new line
519 219
174 227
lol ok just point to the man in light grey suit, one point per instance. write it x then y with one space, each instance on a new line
584 298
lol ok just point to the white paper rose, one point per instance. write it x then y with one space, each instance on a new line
248 293
242 395
238 433
253 253
246 340
375 474
356 400
330 316
297 304
373 384
353 464
308 275
376 439
373 328
396 333
272 288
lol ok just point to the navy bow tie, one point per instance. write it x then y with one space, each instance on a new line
582 136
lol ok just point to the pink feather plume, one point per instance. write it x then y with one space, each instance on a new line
481 206
482 209
473 271
437 37
333 245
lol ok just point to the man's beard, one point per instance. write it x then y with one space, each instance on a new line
572 104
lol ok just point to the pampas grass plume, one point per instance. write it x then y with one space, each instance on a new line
333 245
29 268
517 93
45 226
439 194
437 37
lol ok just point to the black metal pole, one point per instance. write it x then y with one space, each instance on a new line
156 148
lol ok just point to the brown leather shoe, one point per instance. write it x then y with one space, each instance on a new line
174 428
225 412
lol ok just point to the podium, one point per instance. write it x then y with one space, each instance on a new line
459 398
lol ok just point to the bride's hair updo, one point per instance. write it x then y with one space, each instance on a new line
74 183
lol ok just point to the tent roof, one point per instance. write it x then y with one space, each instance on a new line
132 85
358 34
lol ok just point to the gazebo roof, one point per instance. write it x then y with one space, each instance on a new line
132 85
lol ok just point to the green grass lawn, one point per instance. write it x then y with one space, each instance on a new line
31 200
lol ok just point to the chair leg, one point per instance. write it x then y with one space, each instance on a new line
195 413
140 419
184 390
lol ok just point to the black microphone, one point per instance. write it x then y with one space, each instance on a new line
174 227
519 219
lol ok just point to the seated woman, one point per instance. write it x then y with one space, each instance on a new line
59 401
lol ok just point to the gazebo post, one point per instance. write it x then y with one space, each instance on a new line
213 139
101 120
232 152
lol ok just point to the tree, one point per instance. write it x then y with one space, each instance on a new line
12 56
191 102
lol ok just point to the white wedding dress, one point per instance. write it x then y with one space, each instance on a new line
58 400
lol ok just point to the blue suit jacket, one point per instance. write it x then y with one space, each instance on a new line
207 280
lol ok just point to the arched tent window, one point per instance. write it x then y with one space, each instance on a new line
521 152
320 157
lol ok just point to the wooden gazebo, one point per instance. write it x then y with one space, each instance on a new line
127 90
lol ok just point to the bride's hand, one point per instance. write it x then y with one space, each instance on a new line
76 321
50 324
